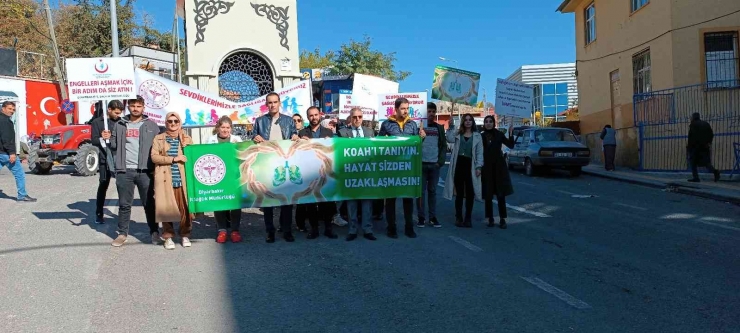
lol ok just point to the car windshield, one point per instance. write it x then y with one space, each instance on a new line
555 135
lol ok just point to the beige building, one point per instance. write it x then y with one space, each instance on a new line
635 59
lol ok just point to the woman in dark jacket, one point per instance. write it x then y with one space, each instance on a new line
495 176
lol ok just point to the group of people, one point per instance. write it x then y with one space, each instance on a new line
138 156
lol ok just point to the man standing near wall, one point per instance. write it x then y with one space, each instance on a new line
274 126
131 139
8 155
699 147
105 169
400 124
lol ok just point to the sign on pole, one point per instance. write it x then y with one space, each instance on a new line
455 85
514 99
417 105
94 79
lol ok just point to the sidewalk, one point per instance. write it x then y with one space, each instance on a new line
724 190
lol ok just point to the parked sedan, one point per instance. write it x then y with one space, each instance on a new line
545 148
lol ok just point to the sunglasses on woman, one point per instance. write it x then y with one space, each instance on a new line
173 121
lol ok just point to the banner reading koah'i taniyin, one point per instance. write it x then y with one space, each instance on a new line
275 173
199 108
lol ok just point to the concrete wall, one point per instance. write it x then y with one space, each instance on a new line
240 29
627 148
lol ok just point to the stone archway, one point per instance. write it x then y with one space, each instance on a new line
244 76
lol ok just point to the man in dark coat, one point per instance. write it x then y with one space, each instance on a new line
699 147
106 166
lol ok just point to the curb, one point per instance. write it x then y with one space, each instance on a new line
663 185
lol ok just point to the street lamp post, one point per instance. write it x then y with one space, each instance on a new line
452 107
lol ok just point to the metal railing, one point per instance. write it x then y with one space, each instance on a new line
663 118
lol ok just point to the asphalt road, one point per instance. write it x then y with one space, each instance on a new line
580 255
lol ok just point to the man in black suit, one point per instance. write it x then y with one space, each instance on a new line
105 168
322 210
356 130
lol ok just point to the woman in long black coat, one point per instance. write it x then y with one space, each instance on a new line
495 177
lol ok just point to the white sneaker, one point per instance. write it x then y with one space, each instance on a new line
186 242
338 220
169 244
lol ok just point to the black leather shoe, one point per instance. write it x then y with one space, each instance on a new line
410 234
270 237
502 224
289 237
392 235
370 237
351 237
330 235
312 235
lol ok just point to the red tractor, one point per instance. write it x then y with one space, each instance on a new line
69 145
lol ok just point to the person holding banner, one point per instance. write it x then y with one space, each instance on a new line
131 139
319 210
463 176
356 130
400 124
495 177
274 126
171 199
227 218
105 165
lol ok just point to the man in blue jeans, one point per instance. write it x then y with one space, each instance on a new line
8 156
433 151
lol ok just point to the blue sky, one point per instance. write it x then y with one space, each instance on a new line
491 37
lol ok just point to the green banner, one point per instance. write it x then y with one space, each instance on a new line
228 176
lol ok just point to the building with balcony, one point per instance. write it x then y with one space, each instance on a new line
644 66
555 87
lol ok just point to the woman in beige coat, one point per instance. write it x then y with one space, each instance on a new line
463 176
170 193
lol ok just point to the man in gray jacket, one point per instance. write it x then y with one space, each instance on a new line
131 141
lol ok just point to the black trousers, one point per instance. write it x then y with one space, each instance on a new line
700 157
105 176
390 214
300 216
463 180
320 211
228 218
286 218
501 207
610 151
378 207
126 182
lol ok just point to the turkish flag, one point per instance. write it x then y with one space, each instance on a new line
43 100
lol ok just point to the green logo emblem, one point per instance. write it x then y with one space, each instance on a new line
283 173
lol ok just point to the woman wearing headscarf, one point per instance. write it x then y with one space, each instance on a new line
226 218
170 198
495 177
463 176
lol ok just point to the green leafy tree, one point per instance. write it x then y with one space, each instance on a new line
315 59
359 57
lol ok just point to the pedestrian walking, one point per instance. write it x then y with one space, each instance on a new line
318 210
274 126
8 154
359 211
400 124
433 153
226 218
495 178
131 139
609 146
699 147
105 167
463 176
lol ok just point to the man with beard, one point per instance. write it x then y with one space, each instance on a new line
131 139
274 126
105 169
321 210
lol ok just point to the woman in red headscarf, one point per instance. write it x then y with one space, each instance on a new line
170 193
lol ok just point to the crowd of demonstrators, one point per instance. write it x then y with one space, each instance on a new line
228 218
464 174
8 154
106 166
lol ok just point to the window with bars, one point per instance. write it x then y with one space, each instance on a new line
641 72
637 4
722 59
590 23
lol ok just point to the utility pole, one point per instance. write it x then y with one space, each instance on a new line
57 58
114 28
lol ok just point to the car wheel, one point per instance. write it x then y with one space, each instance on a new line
529 168
33 160
575 171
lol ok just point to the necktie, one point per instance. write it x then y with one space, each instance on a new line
357 132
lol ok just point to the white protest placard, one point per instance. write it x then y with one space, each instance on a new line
199 108
514 99
417 105
94 79
366 88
